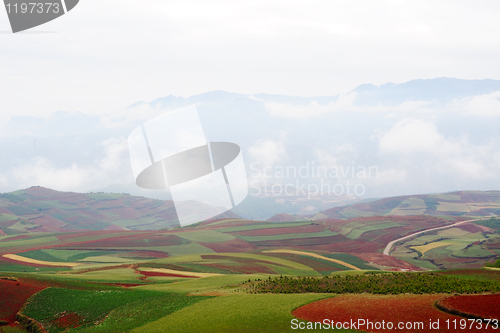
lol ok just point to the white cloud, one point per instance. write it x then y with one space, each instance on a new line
313 109
409 136
268 152
482 105
434 154
109 54
387 176
111 169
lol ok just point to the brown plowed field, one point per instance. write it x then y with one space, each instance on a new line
406 309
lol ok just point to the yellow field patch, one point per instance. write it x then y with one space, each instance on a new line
314 255
430 246
453 207
175 272
416 206
453 232
483 205
407 211
40 262
107 259
447 197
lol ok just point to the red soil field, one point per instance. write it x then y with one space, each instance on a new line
3 210
18 237
238 259
68 320
112 203
49 229
124 213
244 268
494 243
280 231
136 240
294 242
77 198
479 197
349 246
318 265
384 260
11 261
483 306
148 274
8 223
144 254
92 214
470 227
241 265
13 295
237 223
236 245
403 309
42 192
48 221
91 234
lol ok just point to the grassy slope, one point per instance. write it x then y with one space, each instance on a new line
234 313
130 308
204 284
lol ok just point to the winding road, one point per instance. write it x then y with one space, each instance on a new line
388 248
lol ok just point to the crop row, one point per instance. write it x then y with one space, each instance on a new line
387 283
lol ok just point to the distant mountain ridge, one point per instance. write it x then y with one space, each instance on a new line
438 89
335 131
461 203
39 209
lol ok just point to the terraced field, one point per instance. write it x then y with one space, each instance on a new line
465 245
196 278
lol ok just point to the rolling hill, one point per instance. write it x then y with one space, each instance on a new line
39 209
461 203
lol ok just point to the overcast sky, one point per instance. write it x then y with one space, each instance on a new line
104 55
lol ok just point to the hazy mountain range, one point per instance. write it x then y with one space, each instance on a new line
422 136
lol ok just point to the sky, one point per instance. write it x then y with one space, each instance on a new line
105 55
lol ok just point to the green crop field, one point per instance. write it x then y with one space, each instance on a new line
64 255
242 277
325 233
350 259
266 225
204 284
88 307
357 232
279 261
28 242
352 212
191 248
234 313
124 275
7 217
205 236
493 223
139 313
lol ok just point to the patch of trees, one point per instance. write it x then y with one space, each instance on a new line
374 283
